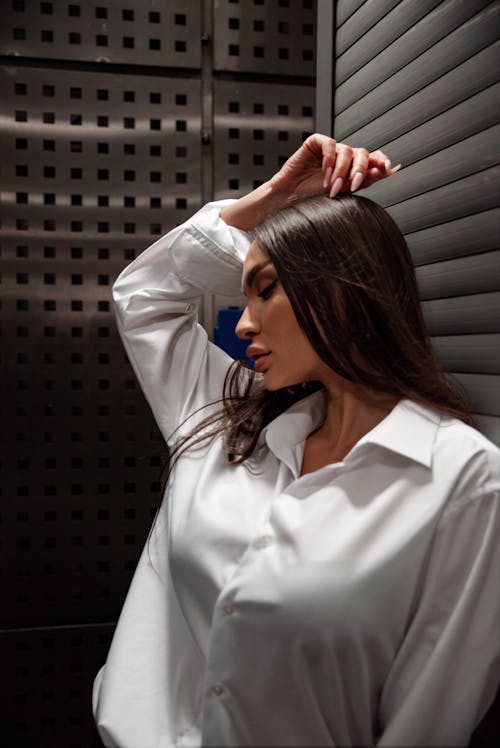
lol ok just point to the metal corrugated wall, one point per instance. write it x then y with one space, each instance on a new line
118 119
420 80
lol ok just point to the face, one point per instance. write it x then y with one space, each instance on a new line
279 347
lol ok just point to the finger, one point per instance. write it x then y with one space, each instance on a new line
359 168
342 167
380 159
375 174
329 150
324 148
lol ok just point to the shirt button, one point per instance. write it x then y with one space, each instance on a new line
228 609
217 689
265 540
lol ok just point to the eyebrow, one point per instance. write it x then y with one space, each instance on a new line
252 274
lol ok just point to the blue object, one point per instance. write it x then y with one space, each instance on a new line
225 336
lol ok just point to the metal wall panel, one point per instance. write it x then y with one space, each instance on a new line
427 93
92 174
257 126
471 77
47 703
483 391
466 235
370 93
466 157
97 161
403 17
360 22
135 32
272 37
398 38
471 274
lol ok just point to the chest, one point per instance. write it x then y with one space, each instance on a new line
333 550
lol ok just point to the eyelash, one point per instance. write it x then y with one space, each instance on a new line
267 291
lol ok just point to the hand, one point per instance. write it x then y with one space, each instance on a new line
323 166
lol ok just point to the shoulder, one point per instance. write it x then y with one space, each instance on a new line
471 461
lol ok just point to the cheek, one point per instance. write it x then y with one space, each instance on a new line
281 319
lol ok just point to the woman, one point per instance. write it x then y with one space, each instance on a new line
324 568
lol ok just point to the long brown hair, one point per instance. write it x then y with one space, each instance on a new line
349 276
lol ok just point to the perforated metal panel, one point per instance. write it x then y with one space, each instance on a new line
97 161
94 169
152 33
47 703
257 126
271 36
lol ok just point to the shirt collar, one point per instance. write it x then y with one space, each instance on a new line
409 430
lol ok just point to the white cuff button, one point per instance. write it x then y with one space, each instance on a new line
265 541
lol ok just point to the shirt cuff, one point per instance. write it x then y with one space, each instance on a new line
209 253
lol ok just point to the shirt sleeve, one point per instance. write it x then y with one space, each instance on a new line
156 298
447 668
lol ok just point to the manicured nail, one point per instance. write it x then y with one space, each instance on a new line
387 165
328 174
336 187
357 181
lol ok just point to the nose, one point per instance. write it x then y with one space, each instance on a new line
246 326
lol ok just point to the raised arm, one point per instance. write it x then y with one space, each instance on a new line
156 296
321 166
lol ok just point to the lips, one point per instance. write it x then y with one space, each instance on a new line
260 362
259 357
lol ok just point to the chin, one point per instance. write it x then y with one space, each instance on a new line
274 385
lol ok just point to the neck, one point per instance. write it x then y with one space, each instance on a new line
351 412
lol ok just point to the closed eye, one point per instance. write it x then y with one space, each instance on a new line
267 291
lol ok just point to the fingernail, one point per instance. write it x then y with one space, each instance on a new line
336 187
357 181
397 168
387 165
328 174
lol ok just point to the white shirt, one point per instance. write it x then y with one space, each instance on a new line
355 605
